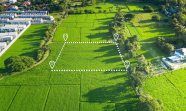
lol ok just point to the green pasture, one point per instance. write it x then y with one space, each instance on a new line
148 31
170 89
74 91
107 6
40 89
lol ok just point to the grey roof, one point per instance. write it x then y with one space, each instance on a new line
182 51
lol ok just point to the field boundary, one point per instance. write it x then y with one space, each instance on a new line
90 70
53 63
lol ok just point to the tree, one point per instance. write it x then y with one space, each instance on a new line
148 103
1 8
156 18
148 8
18 63
129 16
169 47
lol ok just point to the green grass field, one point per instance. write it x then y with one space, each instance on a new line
170 88
41 89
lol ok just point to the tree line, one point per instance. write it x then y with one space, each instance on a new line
142 68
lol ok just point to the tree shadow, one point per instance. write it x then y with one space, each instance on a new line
118 93
100 35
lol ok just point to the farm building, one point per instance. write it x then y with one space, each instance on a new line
8 1
178 56
36 17
177 59
2 45
8 29
26 12
6 38
6 17
20 21
14 34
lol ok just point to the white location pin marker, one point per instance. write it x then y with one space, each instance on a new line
52 64
65 36
116 36
127 64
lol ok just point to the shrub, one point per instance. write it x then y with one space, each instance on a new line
148 103
156 18
71 11
104 11
88 11
100 11
40 54
80 11
129 16
148 8
18 63
98 7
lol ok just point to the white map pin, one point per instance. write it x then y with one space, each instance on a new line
116 36
127 64
52 64
65 36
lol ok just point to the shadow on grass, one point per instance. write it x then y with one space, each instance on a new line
119 94
100 35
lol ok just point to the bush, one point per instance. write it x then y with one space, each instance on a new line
40 54
156 18
148 8
100 11
88 11
148 103
71 11
129 16
165 46
18 63
81 11
104 11
98 7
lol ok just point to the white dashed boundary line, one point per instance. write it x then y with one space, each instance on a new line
119 51
90 42
59 53
91 70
